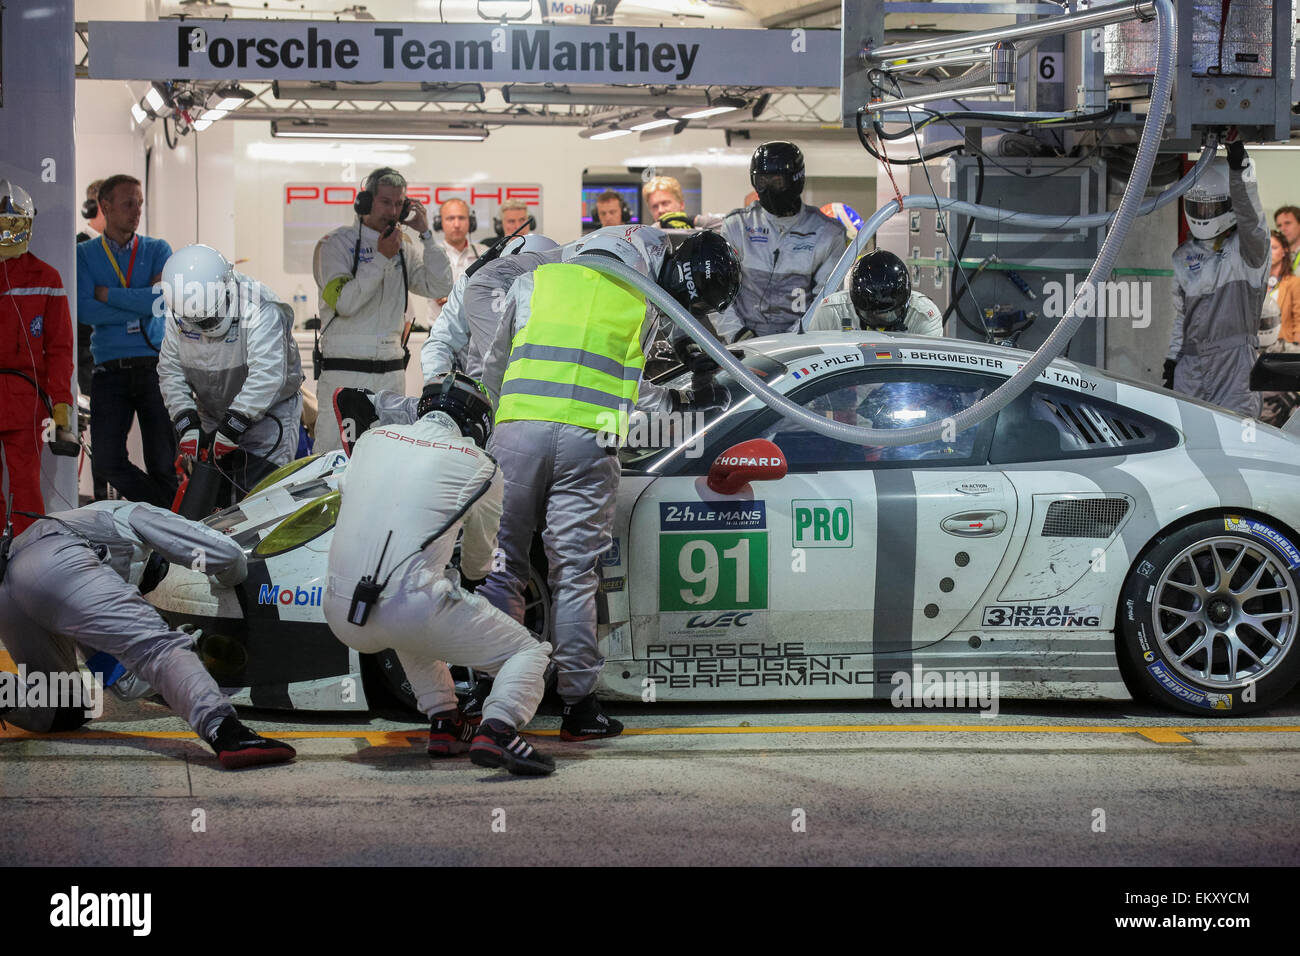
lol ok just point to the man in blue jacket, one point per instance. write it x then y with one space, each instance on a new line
115 295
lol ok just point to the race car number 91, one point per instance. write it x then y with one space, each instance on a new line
702 572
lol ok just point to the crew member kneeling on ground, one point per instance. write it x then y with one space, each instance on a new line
229 363
879 297
389 584
66 583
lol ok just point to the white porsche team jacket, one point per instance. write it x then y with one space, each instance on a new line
250 369
406 483
362 316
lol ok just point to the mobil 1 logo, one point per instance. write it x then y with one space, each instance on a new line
822 522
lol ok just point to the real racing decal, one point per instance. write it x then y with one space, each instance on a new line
1261 530
1042 615
1191 695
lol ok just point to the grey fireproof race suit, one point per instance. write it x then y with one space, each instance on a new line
58 593
444 482
784 262
1219 288
562 479
468 323
253 369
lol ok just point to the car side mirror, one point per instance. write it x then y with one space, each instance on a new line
1276 372
755 460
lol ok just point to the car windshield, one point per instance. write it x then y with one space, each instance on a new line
652 438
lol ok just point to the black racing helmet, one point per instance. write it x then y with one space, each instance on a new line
702 273
465 400
880 288
776 173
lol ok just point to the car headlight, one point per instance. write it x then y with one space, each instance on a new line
281 473
310 521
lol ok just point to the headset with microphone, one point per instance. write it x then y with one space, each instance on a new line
624 211
473 218
500 229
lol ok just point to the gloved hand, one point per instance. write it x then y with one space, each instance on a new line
65 439
187 432
230 433
700 397
675 220
1167 376
1236 154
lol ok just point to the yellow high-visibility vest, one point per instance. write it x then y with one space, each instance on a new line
578 360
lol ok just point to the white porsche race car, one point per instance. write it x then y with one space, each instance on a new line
1098 538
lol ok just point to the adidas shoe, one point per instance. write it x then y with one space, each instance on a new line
449 734
471 708
498 745
586 721
236 746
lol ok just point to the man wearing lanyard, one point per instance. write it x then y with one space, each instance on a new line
115 295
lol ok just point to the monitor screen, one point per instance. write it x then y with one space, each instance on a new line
631 193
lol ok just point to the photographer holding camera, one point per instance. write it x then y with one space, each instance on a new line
365 272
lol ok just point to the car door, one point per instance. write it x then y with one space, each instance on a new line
857 551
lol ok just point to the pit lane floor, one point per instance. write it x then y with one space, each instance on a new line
688 784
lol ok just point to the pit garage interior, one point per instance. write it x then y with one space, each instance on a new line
1056 764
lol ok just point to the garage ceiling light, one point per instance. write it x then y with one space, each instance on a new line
722 104
600 96
231 98
339 130
394 92
155 102
653 124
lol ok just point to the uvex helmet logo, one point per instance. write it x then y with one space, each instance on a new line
689 278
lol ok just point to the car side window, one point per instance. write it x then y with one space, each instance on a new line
1048 423
885 398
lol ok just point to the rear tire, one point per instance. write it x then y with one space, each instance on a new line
1209 616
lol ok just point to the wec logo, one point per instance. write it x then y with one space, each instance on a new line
303 597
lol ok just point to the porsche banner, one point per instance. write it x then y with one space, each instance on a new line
438 52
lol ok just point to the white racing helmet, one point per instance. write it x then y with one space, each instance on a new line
529 243
17 213
1208 204
199 288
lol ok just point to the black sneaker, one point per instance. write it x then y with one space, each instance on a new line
471 707
499 745
586 721
236 746
449 734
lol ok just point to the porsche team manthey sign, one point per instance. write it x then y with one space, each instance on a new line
438 52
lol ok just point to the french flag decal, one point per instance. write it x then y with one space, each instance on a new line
801 373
